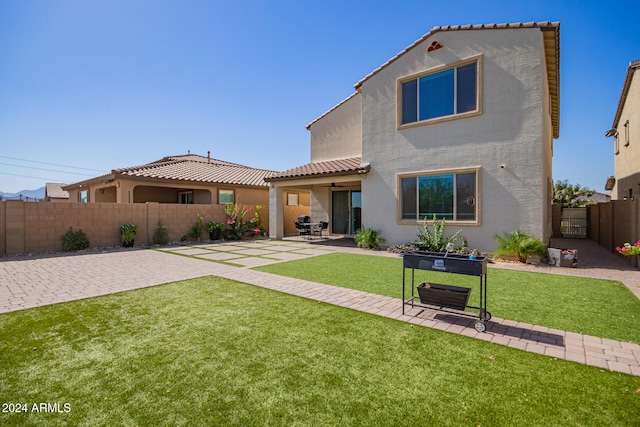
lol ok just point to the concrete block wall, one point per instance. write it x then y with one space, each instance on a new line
40 226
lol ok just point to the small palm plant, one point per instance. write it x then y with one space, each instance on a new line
520 244
368 238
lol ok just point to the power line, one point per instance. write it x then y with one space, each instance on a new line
52 164
43 169
27 176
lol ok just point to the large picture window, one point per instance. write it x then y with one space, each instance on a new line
450 196
445 93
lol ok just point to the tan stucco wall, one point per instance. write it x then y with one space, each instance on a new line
627 162
338 134
512 130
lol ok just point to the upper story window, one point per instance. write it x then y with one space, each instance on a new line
445 93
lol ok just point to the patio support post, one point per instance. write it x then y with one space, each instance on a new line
276 211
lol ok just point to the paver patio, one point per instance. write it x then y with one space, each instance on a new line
28 282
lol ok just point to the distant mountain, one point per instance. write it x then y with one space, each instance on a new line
26 194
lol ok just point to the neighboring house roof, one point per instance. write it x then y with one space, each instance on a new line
187 168
338 167
596 197
55 191
633 66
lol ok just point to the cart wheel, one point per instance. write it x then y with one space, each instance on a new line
480 326
485 315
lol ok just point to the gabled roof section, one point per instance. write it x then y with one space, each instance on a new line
187 168
551 40
332 109
338 167
631 69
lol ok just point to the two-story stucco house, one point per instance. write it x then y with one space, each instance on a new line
626 146
459 124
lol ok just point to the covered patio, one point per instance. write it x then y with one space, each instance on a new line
335 195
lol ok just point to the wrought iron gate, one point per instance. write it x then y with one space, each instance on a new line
573 222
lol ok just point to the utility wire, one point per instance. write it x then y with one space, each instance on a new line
43 169
27 176
51 164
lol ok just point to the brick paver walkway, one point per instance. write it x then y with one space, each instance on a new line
30 282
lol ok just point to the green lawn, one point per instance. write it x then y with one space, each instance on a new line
216 352
601 308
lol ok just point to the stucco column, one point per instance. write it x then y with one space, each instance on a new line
276 211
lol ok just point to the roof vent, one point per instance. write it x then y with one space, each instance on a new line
434 46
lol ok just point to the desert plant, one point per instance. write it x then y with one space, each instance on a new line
196 230
128 232
520 244
368 238
237 227
435 241
74 240
161 235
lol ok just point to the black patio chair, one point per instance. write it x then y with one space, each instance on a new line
324 227
320 228
303 228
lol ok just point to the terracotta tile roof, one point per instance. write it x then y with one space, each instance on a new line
551 38
346 166
188 168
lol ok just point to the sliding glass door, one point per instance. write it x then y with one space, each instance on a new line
346 211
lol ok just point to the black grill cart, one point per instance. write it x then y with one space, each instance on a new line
447 298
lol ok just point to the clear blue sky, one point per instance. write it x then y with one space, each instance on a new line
88 86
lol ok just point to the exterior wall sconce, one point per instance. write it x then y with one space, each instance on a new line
434 46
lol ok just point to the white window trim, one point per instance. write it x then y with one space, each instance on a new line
455 116
403 221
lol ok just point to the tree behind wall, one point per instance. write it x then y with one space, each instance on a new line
571 196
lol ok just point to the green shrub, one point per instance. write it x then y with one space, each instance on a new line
435 241
161 235
196 230
368 238
520 244
128 232
74 240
